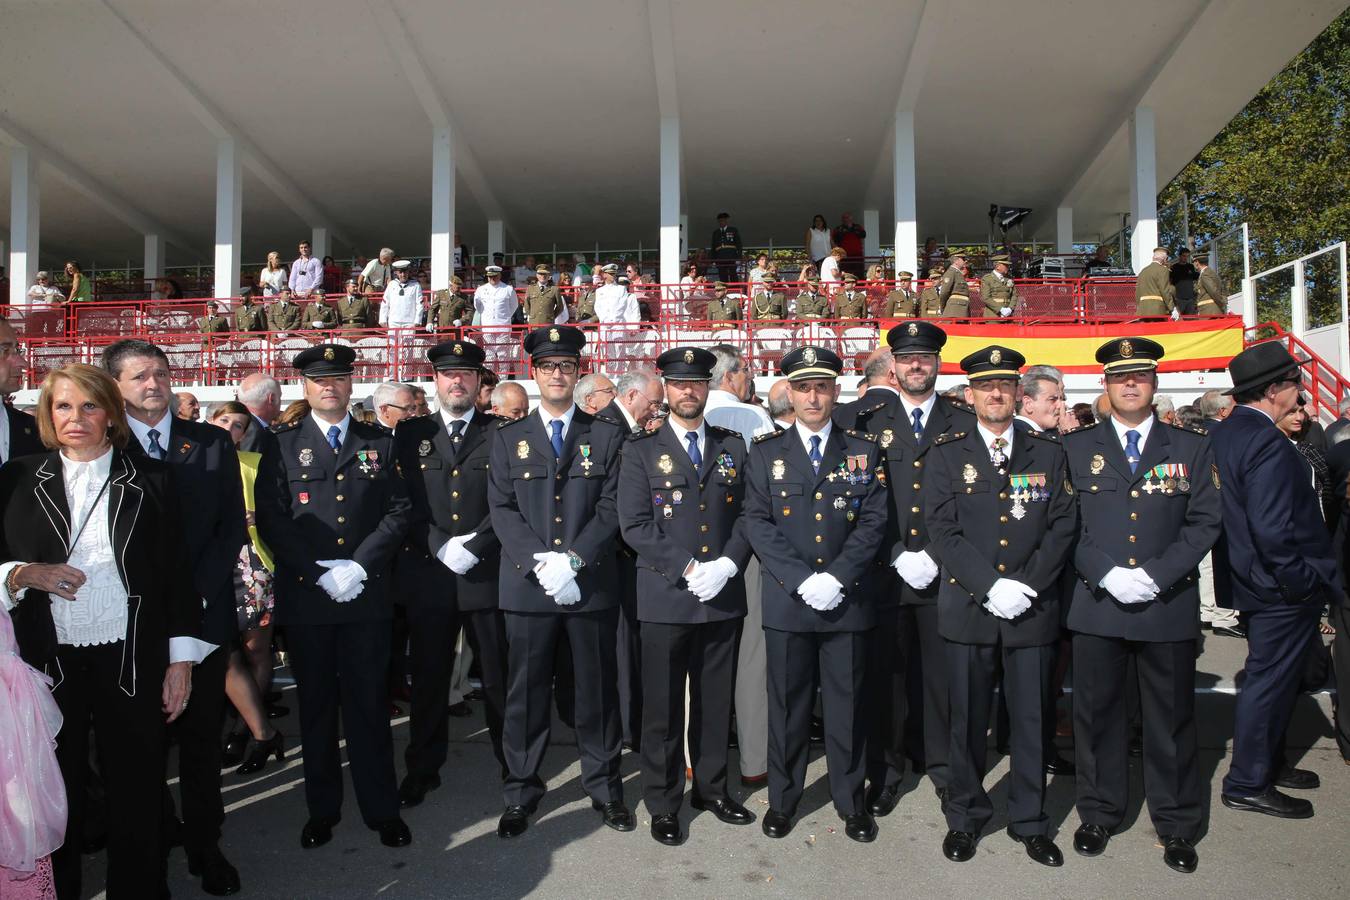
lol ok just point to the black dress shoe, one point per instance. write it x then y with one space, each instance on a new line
1297 779
1179 854
460 710
414 789
257 757
1040 848
725 809
236 745
1272 803
860 827
776 824
219 877
394 833
1234 631
514 821
666 830
1090 840
959 846
615 815
317 832
1058 765
883 800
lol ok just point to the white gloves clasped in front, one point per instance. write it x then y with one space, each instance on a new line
708 578
345 579
821 591
917 568
454 557
554 571
1129 586
1008 599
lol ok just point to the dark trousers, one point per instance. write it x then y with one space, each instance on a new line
345 667
973 670
432 633
1340 664
1166 684
1277 639
129 733
628 654
199 748
705 656
531 640
796 662
726 270
904 644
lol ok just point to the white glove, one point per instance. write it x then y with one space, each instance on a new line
554 571
1176 314
709 578
1008 599
454 557
820 591
1005 311
917 568
344 579
569 594
1129 586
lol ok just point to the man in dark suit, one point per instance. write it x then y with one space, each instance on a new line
726 247
906 638
1001 513
816 516
552 492
450 560
1277 559
333 507
262 395
1150 512
204 469
681 494
879 379
18 431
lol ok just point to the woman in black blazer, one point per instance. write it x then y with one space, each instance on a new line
94 571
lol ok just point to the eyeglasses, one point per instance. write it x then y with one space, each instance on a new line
608 390
405 409
549 367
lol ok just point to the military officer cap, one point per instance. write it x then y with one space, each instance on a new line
719 285
492 270
246 293
1262 364
956 255
317 293
916 336
456 355
849 276
1129 354
902 275
686 364
806 363
555 340
814 279
993 362
456 280
401 264
323 360
612 268
541 269
937 266
1000 258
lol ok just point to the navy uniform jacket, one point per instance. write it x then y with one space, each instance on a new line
905 462
1275 547
313 505
448 486
978 537
670 515
800 523
1138 520
540 504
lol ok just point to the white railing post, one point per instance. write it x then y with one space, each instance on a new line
1298 303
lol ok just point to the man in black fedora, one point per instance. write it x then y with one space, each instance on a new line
1278 560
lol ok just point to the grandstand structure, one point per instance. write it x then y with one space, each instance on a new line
149 137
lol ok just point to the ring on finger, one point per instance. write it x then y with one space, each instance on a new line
64 585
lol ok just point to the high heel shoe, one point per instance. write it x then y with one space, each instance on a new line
257 757
235 745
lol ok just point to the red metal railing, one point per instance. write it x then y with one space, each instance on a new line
1325 387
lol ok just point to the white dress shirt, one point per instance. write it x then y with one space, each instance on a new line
805 434
565 418
4 437
402 304
448 417
926 407
343 426
680 433
725 411
495 304
1143 428
141 432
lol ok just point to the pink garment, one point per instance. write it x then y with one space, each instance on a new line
32 793
39 884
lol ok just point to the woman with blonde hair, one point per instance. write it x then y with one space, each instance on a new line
272 278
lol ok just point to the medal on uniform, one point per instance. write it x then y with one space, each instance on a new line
185 448
667 512
779 469
303 496
361 455
523 450
424 448
665 464
850 515
1183 481
373 460
586 458
886 437
839 503
1098 463
1019 493
677 496
787 511
969 473
306 457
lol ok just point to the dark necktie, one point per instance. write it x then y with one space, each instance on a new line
815 452
156 450
1132 449
334 438
998 457
556 440
456 435
694 456
918 424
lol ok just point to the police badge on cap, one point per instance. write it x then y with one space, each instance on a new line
686 364
555 340
456 355
811 362
325 359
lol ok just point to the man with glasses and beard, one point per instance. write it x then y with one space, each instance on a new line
552 491
452 556
402 299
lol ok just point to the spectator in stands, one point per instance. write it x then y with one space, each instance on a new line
359 263
332 275
187 406
760 270
261 396
393 403
780 400
248 317
1165 408
581 274
318 315
1183 279
1100 259
818 242
306 272
283 314
487 382
690 278
726 247
594 392
42 294
378 274
830 268
1337 431
521 274
273 276
81 288
166 289
1188 416
932 256
1042 399
875 286
849 235
402 299
510 401
1215 406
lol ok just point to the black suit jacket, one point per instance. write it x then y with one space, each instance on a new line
147 536
448 485
315 505
979 538
541 504
204 469
671 514
23 434
257 438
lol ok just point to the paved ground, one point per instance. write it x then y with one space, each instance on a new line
567 853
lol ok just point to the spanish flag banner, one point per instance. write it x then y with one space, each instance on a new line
1191 344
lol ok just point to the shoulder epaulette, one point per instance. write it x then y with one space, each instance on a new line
282 429
641 435
1193 429
949 436
724 432
861 435
1087 427
507 423
1051 436
871 409
768 435
608 421
958 404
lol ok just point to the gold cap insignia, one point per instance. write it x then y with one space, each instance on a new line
554 335
1126 349
689 356
809 356
912 330
328 353
459 349
996 357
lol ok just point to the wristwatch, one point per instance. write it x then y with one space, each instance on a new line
575 561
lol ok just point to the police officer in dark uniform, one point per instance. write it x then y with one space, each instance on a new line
450 559
1001 513
553 491
1150 512
681 495
333 507
907 574
816 516
726 247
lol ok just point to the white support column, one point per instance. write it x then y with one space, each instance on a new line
154 257
1143 186
24 223
442 208
872 225
1064 229
669 269
496 240
906 196
684 238
320 245
229 216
